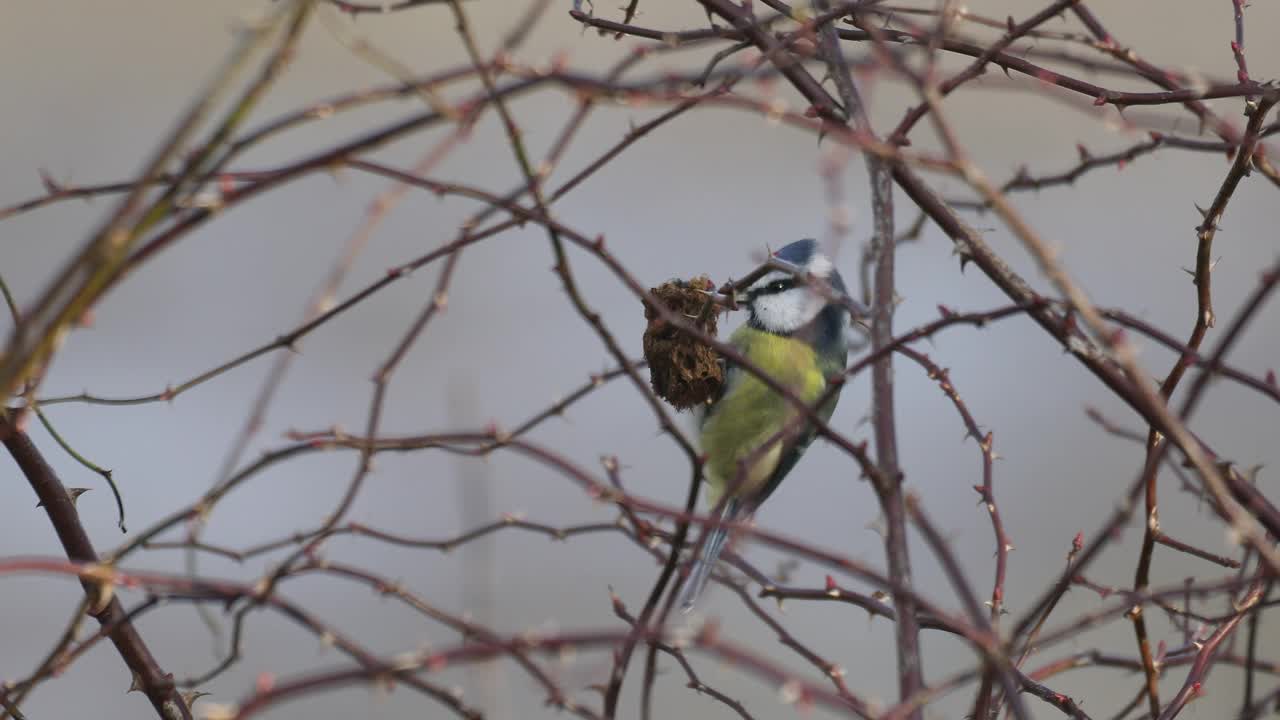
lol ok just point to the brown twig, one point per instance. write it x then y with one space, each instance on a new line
154 682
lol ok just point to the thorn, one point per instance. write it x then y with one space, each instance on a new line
100 577
74 493
191 696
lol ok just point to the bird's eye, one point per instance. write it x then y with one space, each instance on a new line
778 286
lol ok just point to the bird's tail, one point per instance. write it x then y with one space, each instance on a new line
706 561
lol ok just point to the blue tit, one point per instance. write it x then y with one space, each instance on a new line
797 336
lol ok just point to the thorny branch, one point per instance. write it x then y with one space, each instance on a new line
749 59
101 603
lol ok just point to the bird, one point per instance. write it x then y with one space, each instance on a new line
795 333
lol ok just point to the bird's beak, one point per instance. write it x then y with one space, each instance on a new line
730 302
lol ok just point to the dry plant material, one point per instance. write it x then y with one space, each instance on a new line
683 370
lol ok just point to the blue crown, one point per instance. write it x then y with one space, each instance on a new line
801 252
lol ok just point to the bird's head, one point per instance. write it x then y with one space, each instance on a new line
783 304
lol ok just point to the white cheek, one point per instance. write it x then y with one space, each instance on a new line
820 266
789 311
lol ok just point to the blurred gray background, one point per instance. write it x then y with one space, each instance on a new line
91 88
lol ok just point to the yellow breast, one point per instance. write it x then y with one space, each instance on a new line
750 413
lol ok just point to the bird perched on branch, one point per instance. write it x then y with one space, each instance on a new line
752 436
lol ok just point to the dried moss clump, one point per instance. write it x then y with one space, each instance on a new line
682 370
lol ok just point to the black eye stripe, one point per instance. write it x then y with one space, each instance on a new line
775 287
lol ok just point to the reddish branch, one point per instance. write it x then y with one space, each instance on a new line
695 682
1193 685
790 53
362 8
1204 319
975 247
104 606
